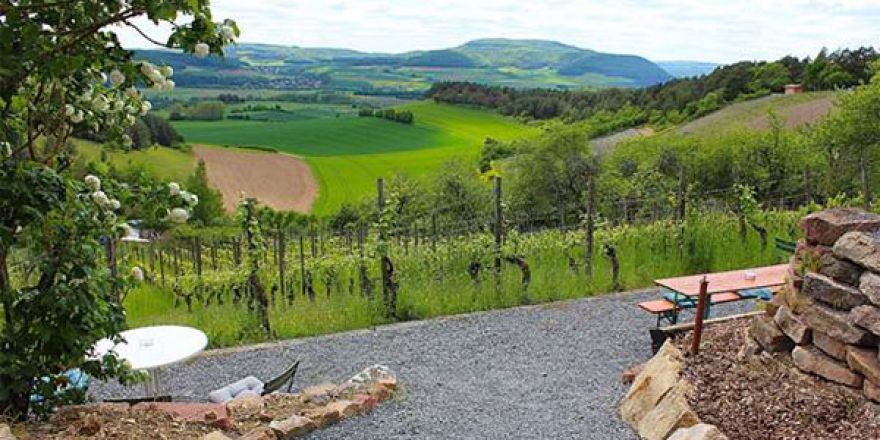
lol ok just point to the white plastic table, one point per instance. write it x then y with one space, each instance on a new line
150 348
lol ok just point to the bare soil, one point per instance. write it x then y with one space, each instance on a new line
763 396
797 115
280 181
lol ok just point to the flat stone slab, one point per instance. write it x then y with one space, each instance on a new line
792 326
869 285
840 270
866 317
769 336
826 227
810 360
865 362
830 346
833 293
836 324
861 248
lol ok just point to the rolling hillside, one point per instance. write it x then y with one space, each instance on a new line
514 63
794 110
348 153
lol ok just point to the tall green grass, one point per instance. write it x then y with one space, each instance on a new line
437 283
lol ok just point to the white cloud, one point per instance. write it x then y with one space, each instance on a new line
713 30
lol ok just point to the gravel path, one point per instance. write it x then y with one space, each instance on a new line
541 372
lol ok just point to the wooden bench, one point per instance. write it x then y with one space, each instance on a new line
666 310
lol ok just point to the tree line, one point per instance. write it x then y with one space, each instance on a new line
677 100
402 116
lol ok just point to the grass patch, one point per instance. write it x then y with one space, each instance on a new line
164 163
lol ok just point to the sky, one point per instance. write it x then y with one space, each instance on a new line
705 30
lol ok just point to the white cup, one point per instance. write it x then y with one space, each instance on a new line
750 276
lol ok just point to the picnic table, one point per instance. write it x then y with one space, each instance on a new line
722 287
150 348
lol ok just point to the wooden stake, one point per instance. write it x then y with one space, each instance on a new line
701 310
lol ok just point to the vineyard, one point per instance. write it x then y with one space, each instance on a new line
316 279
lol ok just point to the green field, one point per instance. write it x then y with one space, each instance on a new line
348 153
164 163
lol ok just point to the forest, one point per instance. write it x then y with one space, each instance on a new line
674 101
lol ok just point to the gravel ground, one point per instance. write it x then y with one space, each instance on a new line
540 372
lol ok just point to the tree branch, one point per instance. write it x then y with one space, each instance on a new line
143 34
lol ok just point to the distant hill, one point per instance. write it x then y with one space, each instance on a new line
687 69
514 63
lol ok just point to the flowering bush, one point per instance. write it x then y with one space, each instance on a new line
62 68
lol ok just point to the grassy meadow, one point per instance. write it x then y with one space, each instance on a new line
347 153
164 163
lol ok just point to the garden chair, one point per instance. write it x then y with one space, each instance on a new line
251 386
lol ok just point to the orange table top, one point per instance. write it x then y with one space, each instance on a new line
731 281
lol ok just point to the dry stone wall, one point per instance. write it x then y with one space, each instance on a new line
828 316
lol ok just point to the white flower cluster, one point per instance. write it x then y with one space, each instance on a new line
101 199
137 273
111 109
201 50
181 214
160 77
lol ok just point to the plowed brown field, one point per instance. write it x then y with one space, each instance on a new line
280 181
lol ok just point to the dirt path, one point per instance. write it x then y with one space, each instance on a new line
280 181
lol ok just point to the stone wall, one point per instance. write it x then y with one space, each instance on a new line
656 405
828 315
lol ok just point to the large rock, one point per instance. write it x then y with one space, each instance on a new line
364 402
346 408
835 294
259 433
835 324
661 373
869 284
871 391
245 406
292 427
866 317
792 326
319 394
769 336
670 414
830 346
810 360
839 270
700 431
323 415
861 248
6 433
827 226
865 362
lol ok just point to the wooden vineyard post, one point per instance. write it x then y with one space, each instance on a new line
380 205
499 227
589 239
302 263
161 266
701 310
152 250
281 250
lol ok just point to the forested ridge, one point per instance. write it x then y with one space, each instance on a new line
674 101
